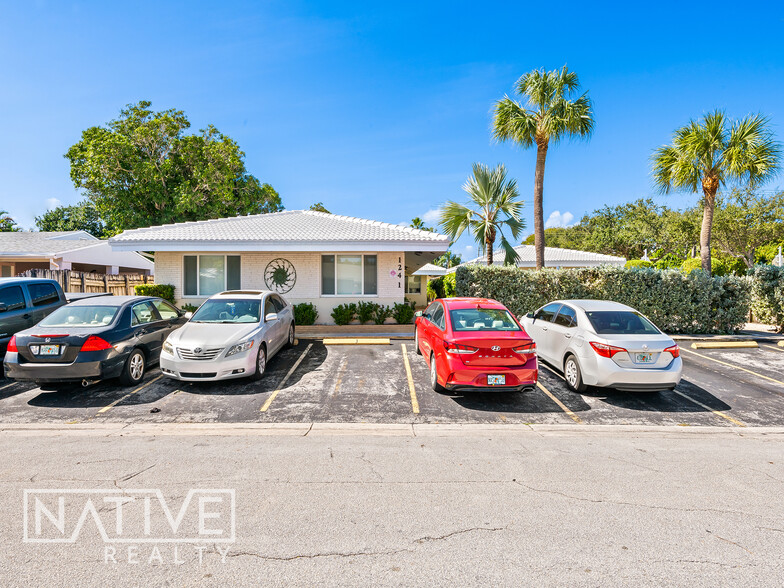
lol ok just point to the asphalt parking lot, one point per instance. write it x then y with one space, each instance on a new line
313 382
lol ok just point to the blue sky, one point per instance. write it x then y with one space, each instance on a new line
379 109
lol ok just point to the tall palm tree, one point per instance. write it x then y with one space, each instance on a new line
710 152
497 206
553 111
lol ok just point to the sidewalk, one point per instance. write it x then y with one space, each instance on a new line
751 332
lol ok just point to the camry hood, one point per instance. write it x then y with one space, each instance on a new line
211 335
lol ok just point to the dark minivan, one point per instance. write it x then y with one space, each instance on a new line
24 302
93 339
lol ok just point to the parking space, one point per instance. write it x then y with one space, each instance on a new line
313 382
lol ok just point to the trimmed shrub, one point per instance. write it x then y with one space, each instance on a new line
381 314
636 263
718 267
343 314
449 286
767 294
403 313
676 302
305 314
165 291
366 311
441 287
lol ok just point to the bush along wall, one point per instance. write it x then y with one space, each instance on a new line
165 291
676 302
767 294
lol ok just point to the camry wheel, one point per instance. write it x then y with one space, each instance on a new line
434 375
573 376
290 341
133 372
261 363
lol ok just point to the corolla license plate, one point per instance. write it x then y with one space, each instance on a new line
46 350
496 380
644 357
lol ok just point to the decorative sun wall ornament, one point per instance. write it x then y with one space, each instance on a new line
280 275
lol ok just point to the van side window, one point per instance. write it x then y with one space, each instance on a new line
43 294
12 297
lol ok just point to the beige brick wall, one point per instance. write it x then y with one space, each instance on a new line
391 289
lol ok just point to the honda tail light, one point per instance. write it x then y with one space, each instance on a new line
457 348
526 348
94 343
605 350
675 351
12 345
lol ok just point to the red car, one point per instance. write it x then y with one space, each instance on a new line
475 344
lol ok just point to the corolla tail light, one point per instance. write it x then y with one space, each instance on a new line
12 345
94 343
675 351
459 349
528 348
604 350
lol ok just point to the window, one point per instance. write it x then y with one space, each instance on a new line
6 271
413 285
43 294
567 317
166 310
482 319
437 317
547 313
143 313
12 297
621 322
269 307
278 302
347 275
72 315
228 310
205 275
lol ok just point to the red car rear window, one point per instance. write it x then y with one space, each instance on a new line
482 319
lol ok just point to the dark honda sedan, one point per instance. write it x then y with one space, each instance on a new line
93 339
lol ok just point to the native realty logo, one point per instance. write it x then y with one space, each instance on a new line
136 526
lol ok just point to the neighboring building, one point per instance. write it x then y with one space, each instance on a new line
416 283
553 257
65 250
306 256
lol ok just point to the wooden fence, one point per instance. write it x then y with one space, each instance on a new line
71 281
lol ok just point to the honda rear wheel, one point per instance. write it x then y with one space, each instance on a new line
133 372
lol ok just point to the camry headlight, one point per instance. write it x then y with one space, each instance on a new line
239 348
167 347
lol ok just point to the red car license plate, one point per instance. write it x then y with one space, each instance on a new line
496 380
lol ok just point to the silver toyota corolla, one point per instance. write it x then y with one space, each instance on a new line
229 337
606 344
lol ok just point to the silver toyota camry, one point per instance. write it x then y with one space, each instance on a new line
605 344
232 335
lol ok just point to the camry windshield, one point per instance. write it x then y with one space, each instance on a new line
80 316
482 319
228 310
621 322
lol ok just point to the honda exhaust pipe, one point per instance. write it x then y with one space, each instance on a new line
87 382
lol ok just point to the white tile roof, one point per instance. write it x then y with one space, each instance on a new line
42 243
430 269
289 230
553 257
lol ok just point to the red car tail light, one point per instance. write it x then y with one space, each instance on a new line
675 351
526 348
12 345
457 348
605 350
94 343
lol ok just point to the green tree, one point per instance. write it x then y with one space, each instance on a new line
448 259
142 169
79 217
319 207
497 206
707 153
418 223
7 224
553 111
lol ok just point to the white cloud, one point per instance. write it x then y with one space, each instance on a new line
52 203
431 216
556 219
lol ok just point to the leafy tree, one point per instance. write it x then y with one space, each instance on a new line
553 111
747 220
418 223
142 169
319 207
79 217
706 154
7 224
448 259
497 206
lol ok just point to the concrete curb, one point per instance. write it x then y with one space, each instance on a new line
725 345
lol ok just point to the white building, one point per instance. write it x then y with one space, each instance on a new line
553 257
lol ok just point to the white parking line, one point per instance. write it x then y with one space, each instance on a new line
285 379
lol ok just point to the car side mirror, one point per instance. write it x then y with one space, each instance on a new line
272 316
418 313
188 315
3 307
530 315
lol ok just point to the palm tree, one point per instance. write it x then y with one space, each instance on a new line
497 206
7 224
552 112
710 152
418 223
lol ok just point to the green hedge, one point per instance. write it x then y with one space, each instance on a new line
165 291
305 314
677 303
767 294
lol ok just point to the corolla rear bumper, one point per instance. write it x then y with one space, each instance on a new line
240 365
90 366
605 373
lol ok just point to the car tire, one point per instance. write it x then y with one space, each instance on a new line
434 375
290 340
261 364
416 342
573 375
135 366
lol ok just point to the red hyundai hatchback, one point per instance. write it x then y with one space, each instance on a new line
475 344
